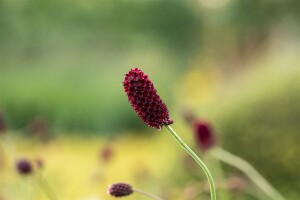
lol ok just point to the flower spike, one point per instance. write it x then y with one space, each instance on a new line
153 111
120 189
144 99
125 189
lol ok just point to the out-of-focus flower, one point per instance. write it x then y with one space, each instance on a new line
106 153
39 163
24 166
205 137
120 189
144 99
124 189
189 116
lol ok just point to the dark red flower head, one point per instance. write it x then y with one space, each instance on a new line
120 189
24 166
205 136
144 99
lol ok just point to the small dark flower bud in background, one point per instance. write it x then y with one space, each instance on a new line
204 134
39 163
24 166
106 153
189 116
120 190
144 99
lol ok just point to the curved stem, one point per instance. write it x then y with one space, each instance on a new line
147 194
250 171
198 160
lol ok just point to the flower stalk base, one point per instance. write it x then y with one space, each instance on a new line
197 159
147 194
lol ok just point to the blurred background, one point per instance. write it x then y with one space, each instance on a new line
62 63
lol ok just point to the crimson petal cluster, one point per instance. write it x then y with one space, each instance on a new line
144 99
205 136
120 189
24 166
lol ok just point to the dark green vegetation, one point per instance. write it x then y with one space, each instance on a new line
64 60
263 126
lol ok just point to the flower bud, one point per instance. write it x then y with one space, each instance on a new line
24 166
120 190
144 99
204 134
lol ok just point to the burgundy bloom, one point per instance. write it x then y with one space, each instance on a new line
120 190
204 135
24 166
144 99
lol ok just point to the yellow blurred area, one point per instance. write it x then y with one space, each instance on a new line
198 86
75 168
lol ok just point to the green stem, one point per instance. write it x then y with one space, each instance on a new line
147 194
223 193
198 160
252 173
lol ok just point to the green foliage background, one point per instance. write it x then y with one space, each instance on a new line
235 63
